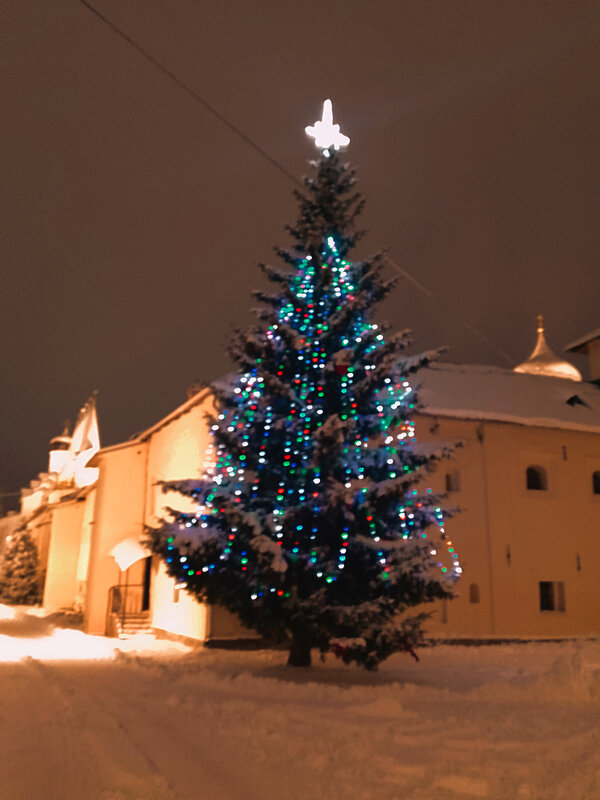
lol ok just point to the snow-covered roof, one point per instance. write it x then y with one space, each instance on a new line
492 393
579 344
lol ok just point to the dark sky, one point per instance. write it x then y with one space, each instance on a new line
133 219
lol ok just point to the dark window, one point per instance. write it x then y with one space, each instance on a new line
474 593
453 481
596 482
176 591
552 596
537 479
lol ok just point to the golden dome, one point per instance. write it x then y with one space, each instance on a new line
544 362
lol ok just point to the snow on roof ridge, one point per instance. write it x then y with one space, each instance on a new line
472 391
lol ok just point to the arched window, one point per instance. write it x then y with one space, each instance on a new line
596 482
537 478
474 593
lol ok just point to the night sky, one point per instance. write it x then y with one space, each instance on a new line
133 219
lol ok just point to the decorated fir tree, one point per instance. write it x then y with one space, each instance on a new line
309 522
19 575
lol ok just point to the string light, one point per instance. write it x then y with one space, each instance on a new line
310 474
299 314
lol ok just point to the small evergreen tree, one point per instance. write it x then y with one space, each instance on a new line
309 525
19 576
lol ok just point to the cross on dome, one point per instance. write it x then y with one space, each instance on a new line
325 133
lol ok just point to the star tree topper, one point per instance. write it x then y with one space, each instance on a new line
325 133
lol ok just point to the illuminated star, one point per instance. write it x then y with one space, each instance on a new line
325 133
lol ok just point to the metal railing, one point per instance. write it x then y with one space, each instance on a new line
123 601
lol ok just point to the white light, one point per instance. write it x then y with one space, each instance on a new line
325 133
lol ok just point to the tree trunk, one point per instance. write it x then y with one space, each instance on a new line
299 649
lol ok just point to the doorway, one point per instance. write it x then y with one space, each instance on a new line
146 583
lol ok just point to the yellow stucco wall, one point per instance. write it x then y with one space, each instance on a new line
118 515
175 611
509 538
128 498
177 451
60 589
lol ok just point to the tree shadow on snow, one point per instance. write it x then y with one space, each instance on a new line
271 664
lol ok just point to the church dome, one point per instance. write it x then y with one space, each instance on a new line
544 362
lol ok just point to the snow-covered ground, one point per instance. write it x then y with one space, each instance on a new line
88 718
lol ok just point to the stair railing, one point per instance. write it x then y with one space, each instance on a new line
123 600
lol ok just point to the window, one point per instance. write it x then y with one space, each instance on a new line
537 479
474 593
552 596
453 481
176 591
596 482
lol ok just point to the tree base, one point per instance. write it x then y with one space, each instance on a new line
299 650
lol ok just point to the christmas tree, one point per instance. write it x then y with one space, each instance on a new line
309 523
19 576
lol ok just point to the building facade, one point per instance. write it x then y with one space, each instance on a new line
525 476
528 490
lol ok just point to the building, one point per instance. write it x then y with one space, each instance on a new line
589 345
526 478
125 587
54 508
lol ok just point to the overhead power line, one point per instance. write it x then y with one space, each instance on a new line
449 311
234 128
182 85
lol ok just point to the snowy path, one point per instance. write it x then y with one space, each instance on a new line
517 722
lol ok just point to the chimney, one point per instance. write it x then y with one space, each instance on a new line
589 345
